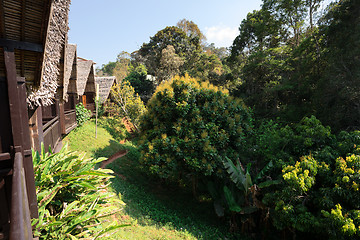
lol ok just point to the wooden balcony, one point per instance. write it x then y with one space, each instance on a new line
52 133
70 121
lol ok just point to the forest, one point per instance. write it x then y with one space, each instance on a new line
268 129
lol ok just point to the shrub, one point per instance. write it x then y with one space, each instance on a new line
82 114
320 195
127 103
73 197
190 128
115 127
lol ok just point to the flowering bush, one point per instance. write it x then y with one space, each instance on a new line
190 128
127 103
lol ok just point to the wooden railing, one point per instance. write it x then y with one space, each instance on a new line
70 120
52 133
20 223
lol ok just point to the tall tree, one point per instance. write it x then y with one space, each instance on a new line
313 6
184 47
121 69
191 29
338 96
291 13
170 64
260 51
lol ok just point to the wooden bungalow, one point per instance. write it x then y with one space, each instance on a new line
105 84
86 83
58 118
32 34
70 94
52 114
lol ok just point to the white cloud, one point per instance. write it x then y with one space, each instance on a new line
221 35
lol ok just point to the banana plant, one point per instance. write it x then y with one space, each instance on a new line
243 181
241 196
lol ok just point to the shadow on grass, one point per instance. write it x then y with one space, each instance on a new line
109 150
151 202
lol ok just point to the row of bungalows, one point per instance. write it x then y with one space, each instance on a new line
32 38
41 81
77 84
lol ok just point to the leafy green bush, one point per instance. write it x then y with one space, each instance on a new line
190 128
82 114
115 127
73 197
319 193
142 85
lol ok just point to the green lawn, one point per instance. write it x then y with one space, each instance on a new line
154 210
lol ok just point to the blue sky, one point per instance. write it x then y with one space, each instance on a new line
103 28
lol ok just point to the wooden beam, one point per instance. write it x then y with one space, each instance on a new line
20 219
15 114
19 125
26 145
11 44
22 36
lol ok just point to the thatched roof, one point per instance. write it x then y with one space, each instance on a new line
105 84
70 75
23 26
85 76
55 42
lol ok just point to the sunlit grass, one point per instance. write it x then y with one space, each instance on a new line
153 210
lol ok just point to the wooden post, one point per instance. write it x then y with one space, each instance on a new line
20 131
36 129
28 164
62 117
96 107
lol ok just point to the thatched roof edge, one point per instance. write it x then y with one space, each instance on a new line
84 68
105 84
55 41
70 59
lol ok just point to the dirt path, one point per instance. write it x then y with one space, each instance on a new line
113 158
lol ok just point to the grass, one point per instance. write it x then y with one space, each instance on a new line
155 210
83 139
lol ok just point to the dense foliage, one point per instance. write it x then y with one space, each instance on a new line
82 114
295 64
126 103
72 196
139 80
289 69
313 165
190 128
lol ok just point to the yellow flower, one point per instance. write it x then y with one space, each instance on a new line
173 140
163 136
355 186
151 147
